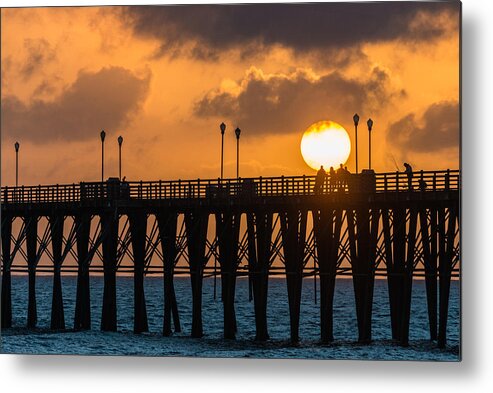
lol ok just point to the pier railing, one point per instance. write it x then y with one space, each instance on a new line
368 182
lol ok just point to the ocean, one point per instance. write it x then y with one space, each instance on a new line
41 340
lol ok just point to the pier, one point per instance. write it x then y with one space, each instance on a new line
363 226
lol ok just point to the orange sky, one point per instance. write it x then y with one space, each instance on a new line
164 79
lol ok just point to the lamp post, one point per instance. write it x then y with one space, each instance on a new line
237 132
356 121
16 145
370 126
103 135
120 141
222 127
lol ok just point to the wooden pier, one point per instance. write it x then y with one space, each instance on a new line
363 226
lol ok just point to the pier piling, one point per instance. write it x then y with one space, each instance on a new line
196 223
32 261
138 231
293 229
109 229
6 304
57 314
82 318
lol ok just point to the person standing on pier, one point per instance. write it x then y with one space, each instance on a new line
409 172
341 177
346 176
319 180
332 179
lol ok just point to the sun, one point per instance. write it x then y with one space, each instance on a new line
325 143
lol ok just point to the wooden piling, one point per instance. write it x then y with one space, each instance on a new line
57 315
6 305
259 227
391 272
430 255
327 228
82 319
445 268
359 238
196 222
109 228
293 229
399 268
32 261
167 222
138 230
228 232
408 277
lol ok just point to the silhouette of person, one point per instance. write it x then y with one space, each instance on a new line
341 176
409 172
319 180
332 174
346 176
124 186
422 185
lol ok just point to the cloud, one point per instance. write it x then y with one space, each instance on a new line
39 52
102 100
437 129
303 27
284 103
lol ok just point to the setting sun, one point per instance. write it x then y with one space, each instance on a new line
325 143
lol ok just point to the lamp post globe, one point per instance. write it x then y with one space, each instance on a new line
222 127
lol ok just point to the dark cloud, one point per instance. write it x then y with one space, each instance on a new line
279 103
95 101
437 129
302 27
48 87
39 52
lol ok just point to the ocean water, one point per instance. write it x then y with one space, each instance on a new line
41 340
